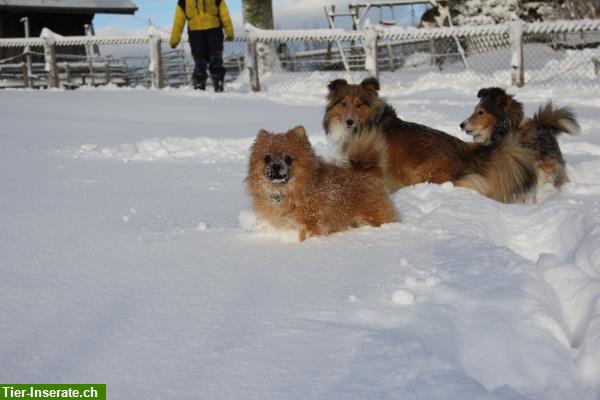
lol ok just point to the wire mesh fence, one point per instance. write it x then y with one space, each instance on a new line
102 61
566 57
304 61
76 63
553 53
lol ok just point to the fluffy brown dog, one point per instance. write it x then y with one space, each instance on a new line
416 153
499 114
293 188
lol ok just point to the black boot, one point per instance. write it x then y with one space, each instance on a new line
218 84
217 71
199 76
199 85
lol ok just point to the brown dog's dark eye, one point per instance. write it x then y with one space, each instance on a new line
288 160
480 113
358 105
268 159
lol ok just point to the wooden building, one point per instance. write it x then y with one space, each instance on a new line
65 17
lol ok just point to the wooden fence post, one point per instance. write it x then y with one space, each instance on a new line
50 58
25 72
330 12
252 61
89 53
107 76
185 81
67 73
27 52
371 51
516 44
156 67
596 62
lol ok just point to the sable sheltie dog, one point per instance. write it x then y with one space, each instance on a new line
293 188
416 153
436 16
499 114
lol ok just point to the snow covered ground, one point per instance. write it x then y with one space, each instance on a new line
130 257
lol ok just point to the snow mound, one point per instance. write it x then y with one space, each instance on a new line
403 297
202 149
144 270
250 222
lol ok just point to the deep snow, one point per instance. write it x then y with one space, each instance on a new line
130 257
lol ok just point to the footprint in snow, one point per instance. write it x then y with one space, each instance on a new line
403 297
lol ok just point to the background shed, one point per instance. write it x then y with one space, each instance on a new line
65 17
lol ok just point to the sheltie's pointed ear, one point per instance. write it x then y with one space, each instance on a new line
514 111
336 84
371 83
494 92
494 96
483 92
299 131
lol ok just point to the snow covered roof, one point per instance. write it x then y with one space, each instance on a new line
71 6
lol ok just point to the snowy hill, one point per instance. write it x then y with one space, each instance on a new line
131 258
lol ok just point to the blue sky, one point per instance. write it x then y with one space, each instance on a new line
288 14
161 12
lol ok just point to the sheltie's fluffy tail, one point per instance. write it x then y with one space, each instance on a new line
556 120
367 152
506 173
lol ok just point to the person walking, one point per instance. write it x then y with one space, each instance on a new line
206 20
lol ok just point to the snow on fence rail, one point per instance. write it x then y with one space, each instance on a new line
74 40
499 52
284 59
53 60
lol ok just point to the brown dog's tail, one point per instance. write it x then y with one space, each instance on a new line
506 173
556 120
367 152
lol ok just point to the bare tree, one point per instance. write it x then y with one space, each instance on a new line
568 9
494 11
258 13
582 8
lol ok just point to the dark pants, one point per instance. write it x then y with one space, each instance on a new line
207 50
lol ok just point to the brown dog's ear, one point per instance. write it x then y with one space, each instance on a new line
494 96
514 111
491 92
298 131
262 134
483 92
336 84
371 83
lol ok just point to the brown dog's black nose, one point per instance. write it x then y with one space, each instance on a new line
462 125
349 122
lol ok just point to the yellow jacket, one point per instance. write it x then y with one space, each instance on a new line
200 15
